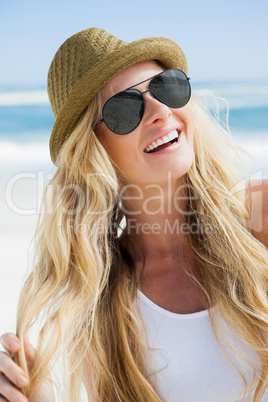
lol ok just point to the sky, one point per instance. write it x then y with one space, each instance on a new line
223 40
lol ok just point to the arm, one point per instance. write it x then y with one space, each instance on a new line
257 204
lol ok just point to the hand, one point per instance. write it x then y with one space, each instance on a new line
12 378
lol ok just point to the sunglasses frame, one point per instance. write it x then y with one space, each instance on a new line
142 93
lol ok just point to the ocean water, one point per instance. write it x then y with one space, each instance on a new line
26 121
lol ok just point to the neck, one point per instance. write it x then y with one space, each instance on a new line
157 237
155 218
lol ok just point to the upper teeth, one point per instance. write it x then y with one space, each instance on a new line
169 137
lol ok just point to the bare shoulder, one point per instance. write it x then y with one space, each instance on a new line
45 392
257 204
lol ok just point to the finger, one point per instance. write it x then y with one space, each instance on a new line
30 351
9 392
10 342
12 371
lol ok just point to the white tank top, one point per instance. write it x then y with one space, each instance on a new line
190 366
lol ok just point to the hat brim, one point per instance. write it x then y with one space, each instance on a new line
164 50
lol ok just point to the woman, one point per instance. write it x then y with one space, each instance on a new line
149 282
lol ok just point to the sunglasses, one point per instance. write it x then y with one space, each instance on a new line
123 112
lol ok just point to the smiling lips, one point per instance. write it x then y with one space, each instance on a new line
170 137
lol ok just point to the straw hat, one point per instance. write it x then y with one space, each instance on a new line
85 62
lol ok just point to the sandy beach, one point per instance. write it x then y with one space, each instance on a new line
20 195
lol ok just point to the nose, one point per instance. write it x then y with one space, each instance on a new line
155 112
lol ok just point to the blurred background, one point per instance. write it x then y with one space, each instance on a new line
226 45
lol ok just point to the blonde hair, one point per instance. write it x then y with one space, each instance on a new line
83 286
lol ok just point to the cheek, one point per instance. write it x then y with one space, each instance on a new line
106 138
185 116
113 144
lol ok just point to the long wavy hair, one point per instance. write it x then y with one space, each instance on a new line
83 286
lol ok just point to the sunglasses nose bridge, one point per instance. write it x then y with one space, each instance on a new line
150 93
154 109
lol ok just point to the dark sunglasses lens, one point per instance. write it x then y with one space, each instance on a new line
123 112
172 88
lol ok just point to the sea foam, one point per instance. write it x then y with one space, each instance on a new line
23 153
36 154
24 98
239 95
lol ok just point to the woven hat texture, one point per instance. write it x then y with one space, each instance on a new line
85 62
